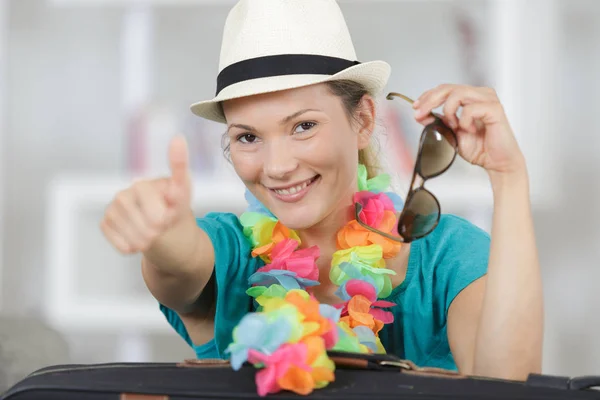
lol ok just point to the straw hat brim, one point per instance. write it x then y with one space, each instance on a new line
373 75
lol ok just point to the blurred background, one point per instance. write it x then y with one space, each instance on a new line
91 92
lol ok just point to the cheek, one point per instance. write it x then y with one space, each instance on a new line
333 147
332 142
246 165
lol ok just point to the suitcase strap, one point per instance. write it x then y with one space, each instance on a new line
353 361
344 360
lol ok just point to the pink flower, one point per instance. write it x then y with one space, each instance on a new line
285 257
277 365
373 207
331 337
356 287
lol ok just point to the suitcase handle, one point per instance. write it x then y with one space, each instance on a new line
139 396
346 360
584 382
563 382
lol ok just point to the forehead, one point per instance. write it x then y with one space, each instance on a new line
281 103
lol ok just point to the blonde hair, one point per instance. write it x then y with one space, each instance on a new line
368 157
351 93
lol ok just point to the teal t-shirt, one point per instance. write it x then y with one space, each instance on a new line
440 266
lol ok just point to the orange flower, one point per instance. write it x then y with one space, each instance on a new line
301 381
297 380
354 234
314 323
359 308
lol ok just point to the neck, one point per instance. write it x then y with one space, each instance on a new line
324 235
325 232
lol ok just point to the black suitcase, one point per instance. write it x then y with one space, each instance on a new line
357 376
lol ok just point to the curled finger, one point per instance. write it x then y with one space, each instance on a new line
150 197
483 113
460 94
451 109
116 239
126 218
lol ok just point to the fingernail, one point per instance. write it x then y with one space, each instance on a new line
416 104
418 113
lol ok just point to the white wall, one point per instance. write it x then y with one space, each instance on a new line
3 64
569 234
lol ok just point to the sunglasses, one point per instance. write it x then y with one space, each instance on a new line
421 213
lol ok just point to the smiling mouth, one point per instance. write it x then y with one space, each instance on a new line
295 189
295 192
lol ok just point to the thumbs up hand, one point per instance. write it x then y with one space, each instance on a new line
140 216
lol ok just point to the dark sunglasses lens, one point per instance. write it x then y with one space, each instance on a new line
437 153
420 215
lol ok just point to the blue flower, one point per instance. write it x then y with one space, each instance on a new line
256 206
397 200
352 272
288 279
256 331
366 337
330 312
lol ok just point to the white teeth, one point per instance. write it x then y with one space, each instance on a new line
292 190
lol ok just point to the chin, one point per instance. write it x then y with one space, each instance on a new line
297 219
299 224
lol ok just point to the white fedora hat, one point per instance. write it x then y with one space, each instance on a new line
272 45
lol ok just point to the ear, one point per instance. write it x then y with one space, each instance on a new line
366 121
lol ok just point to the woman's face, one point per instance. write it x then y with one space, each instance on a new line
296 151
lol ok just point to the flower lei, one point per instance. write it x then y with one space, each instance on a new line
289 334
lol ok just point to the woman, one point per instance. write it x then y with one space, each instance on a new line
300 115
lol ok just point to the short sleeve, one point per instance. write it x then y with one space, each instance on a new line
233 266
462 254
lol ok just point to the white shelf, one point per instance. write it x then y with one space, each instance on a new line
70 197
228 191
99 190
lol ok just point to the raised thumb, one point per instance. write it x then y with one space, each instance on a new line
178 186
179 161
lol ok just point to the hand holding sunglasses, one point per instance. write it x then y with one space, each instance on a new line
485 137
437 151
481 135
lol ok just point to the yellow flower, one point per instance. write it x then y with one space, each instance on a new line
264 233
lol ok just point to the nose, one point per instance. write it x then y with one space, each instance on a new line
279 160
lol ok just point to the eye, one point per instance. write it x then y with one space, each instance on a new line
304 126
246 138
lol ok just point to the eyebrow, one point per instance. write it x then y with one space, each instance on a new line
282 122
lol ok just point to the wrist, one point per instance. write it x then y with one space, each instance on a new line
513 183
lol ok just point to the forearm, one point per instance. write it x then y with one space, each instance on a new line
510 333
177 268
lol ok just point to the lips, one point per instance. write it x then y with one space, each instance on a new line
295 189
295 192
